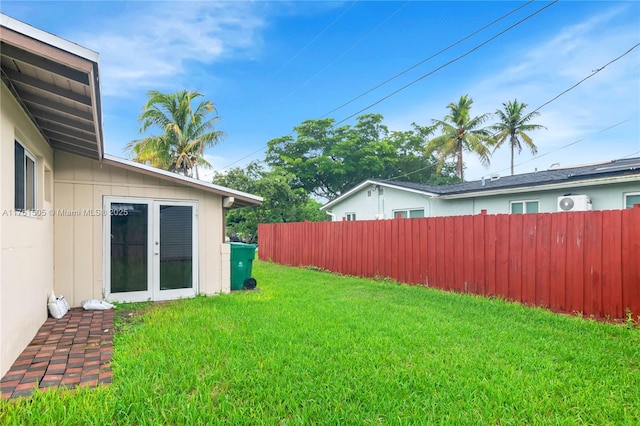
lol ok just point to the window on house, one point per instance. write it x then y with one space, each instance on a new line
25 179
369 193
380 190
525 206
631 199
350 216
409 213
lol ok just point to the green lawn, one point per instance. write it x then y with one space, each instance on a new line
315 348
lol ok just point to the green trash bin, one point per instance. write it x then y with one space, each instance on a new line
242 256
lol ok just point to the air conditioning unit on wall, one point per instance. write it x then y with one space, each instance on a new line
574 203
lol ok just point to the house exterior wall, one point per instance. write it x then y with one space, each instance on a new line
603 197
81 184
366 208
26 242
607 196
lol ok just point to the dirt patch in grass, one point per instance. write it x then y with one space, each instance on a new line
129 315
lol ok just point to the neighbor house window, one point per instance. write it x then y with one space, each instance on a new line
350 216
409 213
25 179
631 199
526 206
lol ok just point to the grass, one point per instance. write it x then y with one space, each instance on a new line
315 348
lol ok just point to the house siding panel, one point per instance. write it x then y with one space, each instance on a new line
80 274
25 242
606 195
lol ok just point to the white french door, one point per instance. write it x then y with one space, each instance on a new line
150 249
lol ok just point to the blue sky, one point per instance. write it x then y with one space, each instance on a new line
270 65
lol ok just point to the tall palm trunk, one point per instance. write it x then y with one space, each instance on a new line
459 167
514 141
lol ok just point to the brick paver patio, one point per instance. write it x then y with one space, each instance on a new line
74 350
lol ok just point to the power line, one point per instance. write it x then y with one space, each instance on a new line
563 146
594 72
340 56
323 69
537 156
630 155
320 34
427 59
397 10
448 63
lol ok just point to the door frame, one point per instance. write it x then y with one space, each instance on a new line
153 291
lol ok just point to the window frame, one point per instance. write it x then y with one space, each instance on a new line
524 206
350 216
407 213
624 199
25 208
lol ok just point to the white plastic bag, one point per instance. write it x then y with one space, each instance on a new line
58 306
97 305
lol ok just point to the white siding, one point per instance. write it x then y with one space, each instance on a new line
26 243
81 184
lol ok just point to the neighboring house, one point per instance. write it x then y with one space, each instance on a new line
603 186
77 221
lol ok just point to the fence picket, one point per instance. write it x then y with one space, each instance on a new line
585 262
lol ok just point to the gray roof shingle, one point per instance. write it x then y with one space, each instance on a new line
629 166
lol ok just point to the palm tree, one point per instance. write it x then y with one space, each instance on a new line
187 132
460 133
512 125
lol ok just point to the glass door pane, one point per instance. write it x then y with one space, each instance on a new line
176 247
129 247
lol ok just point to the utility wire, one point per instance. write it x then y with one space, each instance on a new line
594 72
448 63
427 59
323 69
340 56
533 158
320 34
562 147
486 26
630 155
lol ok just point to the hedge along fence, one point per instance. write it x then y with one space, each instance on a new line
573 262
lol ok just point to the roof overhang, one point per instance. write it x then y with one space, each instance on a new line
57 84
373 182
545 187
240 199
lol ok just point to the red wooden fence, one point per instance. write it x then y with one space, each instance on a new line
586 262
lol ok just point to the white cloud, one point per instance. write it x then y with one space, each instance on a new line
150 46
540 71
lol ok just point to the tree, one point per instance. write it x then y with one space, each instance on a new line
460 132
512 126
188 131
326 160
281 202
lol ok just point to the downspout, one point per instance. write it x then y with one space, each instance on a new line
333 216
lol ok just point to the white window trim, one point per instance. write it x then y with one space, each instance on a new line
624 198
29 212
347 214
407 212
524 206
